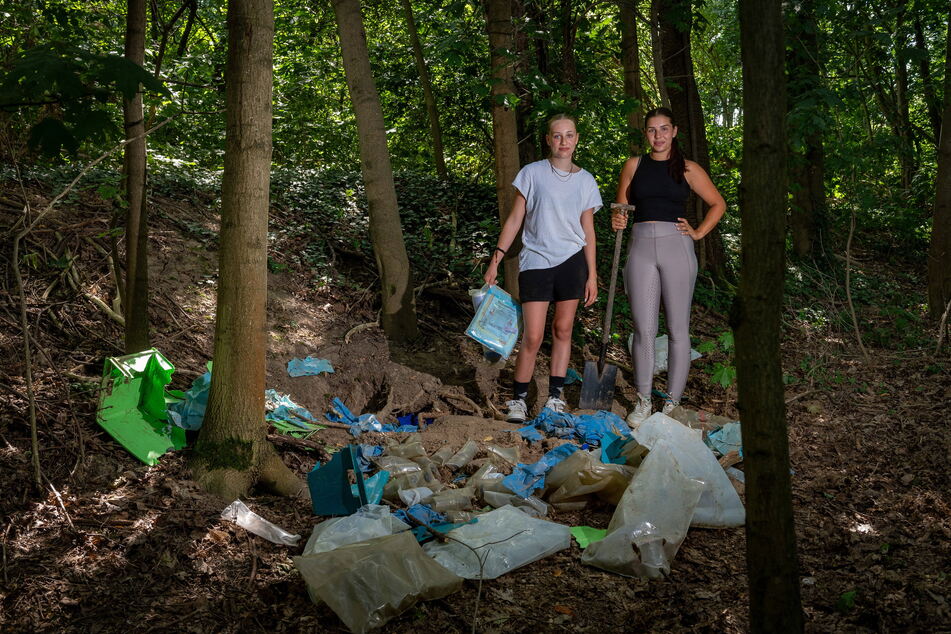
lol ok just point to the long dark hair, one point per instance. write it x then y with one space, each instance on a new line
677 165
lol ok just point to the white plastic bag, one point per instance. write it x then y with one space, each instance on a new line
369 522
720 505
247 519
651 520
505 539
660 352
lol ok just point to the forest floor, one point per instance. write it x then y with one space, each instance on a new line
111 544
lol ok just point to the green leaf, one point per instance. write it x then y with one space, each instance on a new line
723 375
707 347
726 340
846 601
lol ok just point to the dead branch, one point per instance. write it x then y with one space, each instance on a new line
449 396
359 327
848 284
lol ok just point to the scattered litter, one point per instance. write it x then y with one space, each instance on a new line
279 408
585 535
247 519
736 474
365 453
477 295
503 539
497 321
572 483
368 522
310 366
441 455
587 428
504 455
620 450
572 376
660 352
189 413
419 495
719 506
726 439
650 521
698 419
132 405
330 490
368 583
531 505
526 478
464 456
453 500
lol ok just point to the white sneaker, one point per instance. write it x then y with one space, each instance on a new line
642 409
669 406
555 404
517 410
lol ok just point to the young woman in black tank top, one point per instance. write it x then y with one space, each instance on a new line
661 262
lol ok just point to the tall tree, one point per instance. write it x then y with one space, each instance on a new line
136 293
631 63
398 316
232 452
675 22
807 127
428 96
770 533
939 254
505 142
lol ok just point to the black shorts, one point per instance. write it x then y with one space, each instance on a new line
557 284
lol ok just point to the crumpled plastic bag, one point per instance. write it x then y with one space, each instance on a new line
650 521
505 539
720 505
661 344
572 482
368 583
525 478
369 522
239 513
496 322
309 366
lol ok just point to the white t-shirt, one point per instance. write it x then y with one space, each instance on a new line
552 232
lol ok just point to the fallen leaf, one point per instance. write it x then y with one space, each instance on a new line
557 572
564 609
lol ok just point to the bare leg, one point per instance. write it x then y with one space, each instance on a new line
561 327
534 315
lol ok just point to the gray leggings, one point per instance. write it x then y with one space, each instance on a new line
660 264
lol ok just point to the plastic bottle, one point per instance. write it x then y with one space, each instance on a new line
442 455
464 456
453 500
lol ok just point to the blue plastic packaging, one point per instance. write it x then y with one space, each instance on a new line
497 322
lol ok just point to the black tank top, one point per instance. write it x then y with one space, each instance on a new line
655 194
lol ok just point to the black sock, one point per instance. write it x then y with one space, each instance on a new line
556 386
519 390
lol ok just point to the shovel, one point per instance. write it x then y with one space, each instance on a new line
597 383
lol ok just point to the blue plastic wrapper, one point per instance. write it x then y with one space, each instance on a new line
364 453
308 367
726 439
280 407
587 428
526 478
497 322
190 413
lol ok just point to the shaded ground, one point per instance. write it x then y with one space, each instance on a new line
110 544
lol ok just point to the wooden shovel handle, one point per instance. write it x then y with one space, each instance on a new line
606 336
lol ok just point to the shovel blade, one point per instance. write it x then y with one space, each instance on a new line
597 388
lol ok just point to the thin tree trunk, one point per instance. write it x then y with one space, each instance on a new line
527 129
505 143
772 567
630 61
658 54
427 85
398 316
675 18
906 134
927 82
232 451
569 30
939 254
136 295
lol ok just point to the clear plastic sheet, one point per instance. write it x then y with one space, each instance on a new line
247 519
369 522
651 521
496 323
720 505
572 483
530 505
505 539
395 465
370 582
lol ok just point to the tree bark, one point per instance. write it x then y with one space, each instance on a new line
527 133
675 23
633 89
505 141
927 82
232 452
939 254
136 293
428 97
807 213
770 533
398 316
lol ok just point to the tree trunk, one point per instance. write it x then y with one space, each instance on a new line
939 255
427 85
770 533
909 163
569 30
807 213
398 316
136 293
630 61
527 129
232 452
505 142
927 82
675 19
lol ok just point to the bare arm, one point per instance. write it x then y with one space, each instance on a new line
702 186
591 286
619 219
509 230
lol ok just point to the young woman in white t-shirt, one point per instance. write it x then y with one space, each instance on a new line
555 200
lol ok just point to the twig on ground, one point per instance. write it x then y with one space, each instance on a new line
6 532
59 499
254 559
848 282
799 396
448 396
359 327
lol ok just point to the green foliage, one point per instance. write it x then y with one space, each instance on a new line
723 368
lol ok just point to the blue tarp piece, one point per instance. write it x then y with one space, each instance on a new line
374 487
422 513
586 428
611 446
526 478
572 376
308 367
280 407
330 490
358 424
364 453
530 434
190 413
726 439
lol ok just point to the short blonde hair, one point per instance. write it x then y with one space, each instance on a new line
562 116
